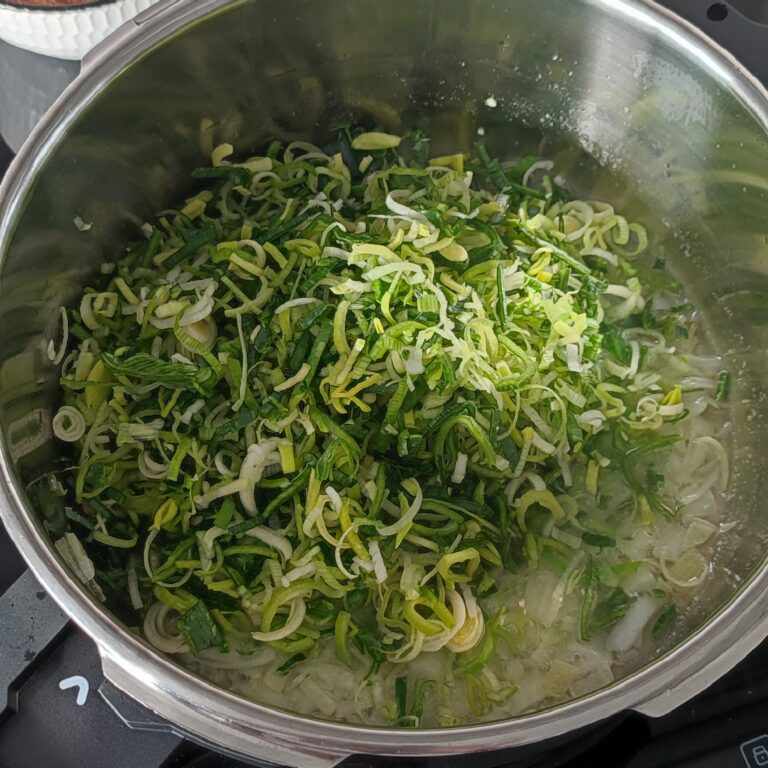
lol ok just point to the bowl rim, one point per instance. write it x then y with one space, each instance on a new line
81 5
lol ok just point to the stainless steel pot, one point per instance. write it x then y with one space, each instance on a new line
634 105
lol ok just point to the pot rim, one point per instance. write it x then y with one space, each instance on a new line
217 716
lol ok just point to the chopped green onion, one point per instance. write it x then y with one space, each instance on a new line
353 406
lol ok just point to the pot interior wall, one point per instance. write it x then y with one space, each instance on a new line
628 114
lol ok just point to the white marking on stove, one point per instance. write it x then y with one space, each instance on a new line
82 685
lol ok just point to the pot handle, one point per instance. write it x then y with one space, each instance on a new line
121 678
694 677
742 36
676 695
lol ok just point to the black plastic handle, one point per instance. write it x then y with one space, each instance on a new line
728 25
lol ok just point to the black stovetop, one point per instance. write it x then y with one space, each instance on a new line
60 712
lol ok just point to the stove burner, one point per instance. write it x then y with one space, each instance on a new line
58 711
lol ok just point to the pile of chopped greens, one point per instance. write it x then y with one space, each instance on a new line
338 394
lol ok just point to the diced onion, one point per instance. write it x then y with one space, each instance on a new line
459 469
628 631
378 562
272 539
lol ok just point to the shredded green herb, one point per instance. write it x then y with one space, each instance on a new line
664 618
723 386
199 629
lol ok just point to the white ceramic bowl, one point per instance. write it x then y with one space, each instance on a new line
66 33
